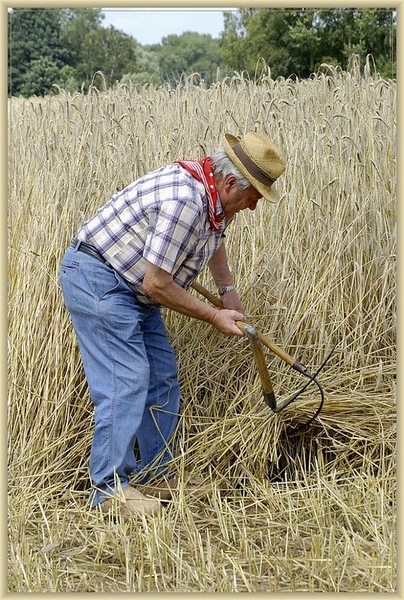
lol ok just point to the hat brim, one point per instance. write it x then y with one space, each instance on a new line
269 193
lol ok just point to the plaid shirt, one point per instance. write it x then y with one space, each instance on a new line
161 218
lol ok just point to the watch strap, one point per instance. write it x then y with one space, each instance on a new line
226 288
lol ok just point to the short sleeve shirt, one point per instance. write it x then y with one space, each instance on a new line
161 218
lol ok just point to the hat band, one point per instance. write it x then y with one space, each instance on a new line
251 167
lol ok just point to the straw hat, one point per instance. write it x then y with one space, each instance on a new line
257 158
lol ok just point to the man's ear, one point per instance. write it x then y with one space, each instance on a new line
229 182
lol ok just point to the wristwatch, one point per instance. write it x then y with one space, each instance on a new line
226 288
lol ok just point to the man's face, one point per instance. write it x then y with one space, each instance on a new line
233 200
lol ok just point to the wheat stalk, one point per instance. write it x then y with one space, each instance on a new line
313 511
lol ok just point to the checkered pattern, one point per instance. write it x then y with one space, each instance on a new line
161 218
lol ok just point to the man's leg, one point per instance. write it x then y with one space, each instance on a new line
163 400
107 321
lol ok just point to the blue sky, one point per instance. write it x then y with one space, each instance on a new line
150 25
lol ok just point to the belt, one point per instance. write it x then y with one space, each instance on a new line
87 249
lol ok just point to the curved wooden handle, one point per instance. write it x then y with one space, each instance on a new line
292 362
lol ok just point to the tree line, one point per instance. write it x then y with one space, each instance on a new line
70 49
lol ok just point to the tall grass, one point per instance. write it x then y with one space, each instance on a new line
289 510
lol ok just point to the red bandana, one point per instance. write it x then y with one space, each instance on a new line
202 171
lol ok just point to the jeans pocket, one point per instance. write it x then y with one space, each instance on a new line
67 270
106 282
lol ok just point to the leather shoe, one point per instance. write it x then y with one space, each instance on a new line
164 488
129 502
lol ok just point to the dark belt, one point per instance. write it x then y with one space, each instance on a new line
87 249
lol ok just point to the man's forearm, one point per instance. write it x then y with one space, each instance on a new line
161 287
219 267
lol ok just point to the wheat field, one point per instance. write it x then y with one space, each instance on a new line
289 509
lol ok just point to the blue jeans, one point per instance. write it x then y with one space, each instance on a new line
130 369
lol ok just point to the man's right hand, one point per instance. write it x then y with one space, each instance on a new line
225 321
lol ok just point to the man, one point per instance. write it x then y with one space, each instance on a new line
141 251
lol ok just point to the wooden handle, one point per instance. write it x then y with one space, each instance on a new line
273 347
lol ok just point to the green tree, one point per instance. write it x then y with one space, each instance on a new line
189 53
42 75
34 41
234 39
147 67
377 28
337 33
284 38
303 41
65 48
106 50
298 41
76 25
94 48
370 31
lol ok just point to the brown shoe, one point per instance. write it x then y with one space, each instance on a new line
164 488
130 503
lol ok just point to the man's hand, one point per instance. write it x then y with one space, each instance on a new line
225 321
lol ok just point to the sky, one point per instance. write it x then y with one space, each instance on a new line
150 25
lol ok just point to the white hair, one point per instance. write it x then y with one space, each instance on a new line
222 165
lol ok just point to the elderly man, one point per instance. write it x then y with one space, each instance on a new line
139 252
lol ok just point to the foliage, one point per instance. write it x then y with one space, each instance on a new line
95 48
35 44
40 78
60 48
148 68
298 41
189 53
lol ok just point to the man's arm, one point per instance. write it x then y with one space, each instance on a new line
222 276
160 286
